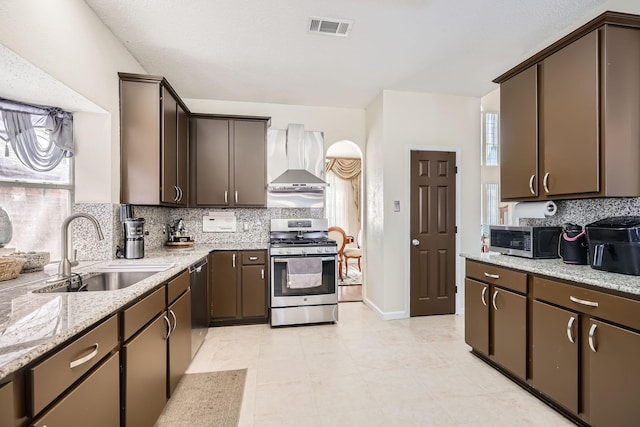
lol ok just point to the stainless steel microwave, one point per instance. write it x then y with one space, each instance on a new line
525 241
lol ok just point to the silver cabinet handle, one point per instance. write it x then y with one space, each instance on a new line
86 358
166 319
570 329
491 276
253 258
484 293
531 185
175 320
415 242
583 301
545 182
262 274
233 260
493 300
235 197
226 197
181 194
177 197
592 338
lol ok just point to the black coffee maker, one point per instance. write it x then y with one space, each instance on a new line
573 245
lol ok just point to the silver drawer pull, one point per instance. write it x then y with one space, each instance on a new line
570 329
484 293
253 258
262 274
592 338
491 276
493 300
86 358
583 301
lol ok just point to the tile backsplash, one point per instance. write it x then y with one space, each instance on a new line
156 218
585 211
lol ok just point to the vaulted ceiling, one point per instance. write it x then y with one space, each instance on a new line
261 51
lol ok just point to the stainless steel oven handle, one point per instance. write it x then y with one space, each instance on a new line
324 258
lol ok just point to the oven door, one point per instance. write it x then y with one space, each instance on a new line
284 296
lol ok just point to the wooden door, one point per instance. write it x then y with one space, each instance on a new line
570 143
250 163
433 233
519 136
209 162
169 151
182 156
223 273
179 340
476 315
554 353
614 375
509 321
254 291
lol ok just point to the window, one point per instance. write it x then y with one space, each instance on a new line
491 202
36 176
490 139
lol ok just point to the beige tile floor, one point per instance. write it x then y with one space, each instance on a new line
365 371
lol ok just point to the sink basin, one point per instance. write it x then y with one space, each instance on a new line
106 281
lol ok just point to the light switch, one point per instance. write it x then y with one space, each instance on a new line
396 205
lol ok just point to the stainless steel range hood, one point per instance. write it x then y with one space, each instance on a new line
302 155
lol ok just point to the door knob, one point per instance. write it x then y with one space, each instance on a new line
415 242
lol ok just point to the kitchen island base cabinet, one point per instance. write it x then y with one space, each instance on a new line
476 319
6 405
179 340
95 402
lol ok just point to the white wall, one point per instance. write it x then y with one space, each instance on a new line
420 121
67 41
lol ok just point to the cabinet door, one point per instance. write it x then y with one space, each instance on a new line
95 401
614 375
169 148
145 374
6 405
249 163
476 317
509 342
254 291
179 340
182 156
210 162
554 353
570 116
519 136
224 291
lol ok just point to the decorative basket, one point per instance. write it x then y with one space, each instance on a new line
10 267
34 261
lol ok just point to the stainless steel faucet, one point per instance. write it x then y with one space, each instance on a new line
65 265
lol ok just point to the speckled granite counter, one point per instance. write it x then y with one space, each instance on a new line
556 268
31 324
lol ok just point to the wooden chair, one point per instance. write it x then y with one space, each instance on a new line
354 253
338 234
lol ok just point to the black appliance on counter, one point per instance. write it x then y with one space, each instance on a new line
614 244
573 245
525 241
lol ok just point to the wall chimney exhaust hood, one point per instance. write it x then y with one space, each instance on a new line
304 153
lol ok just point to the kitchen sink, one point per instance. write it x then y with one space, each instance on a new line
103 281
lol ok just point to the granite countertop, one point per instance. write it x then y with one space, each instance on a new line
621 283
32 324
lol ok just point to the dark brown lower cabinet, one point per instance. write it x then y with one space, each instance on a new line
95 401
145 374
509 328
555 345
614 375
6 404
179 340
238 287
476 316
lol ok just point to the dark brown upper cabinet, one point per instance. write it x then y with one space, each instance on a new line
153 142
228 161
569 125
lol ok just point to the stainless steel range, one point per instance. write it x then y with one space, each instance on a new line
304 271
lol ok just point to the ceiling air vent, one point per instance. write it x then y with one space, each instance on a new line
330 26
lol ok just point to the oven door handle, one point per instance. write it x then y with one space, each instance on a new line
324 258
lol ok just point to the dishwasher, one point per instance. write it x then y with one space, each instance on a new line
199 282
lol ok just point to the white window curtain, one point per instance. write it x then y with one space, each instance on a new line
343 194
338 192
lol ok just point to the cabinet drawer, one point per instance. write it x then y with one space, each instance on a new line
141 313
509 279
51 377
177 286
95 402
597 304
253 257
